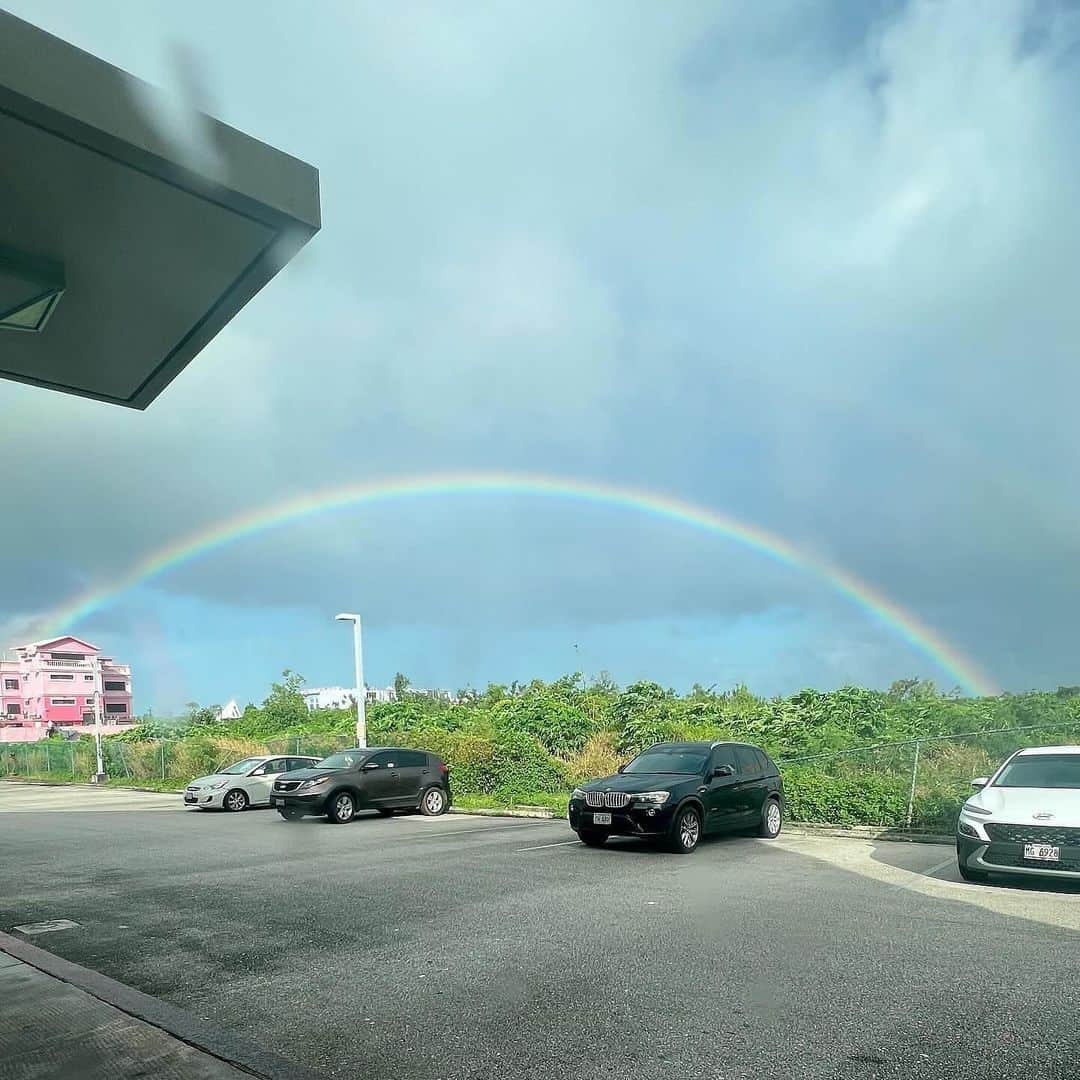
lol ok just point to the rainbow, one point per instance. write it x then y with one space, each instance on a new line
437 485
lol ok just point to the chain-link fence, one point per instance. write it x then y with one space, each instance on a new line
916 784
159 762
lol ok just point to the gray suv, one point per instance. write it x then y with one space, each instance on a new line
382 778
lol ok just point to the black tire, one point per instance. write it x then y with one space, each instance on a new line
341 808
235 801
290 813
593 837
385 812
685 832
772 820
976 877
433 802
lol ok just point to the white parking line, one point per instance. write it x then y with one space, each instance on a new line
540 847
931 870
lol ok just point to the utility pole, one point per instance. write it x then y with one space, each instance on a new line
99 776
361 690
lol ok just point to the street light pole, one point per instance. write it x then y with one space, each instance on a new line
99 776
361 691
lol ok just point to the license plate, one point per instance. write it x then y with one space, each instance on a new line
190 798
601 819
1042 852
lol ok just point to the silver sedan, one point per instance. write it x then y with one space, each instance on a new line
244 783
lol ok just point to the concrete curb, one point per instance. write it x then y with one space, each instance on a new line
532 812
232 1049
867 832
92 787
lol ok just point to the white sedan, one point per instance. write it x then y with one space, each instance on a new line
1025 818
244 783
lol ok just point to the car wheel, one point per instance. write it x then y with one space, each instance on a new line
235 801
979 877
433 802
686 832
385 812
342 808
593 837
772 819
290 813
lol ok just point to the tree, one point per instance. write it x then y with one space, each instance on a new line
605 684
401 685
285 706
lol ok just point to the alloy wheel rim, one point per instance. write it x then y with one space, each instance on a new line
235 800
344 807
434 801
689 829
772 818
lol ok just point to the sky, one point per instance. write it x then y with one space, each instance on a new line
810 266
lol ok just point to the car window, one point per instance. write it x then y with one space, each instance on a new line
346 759
749 766
300 763
386 760
724 755
412 759
240 767
767 767
1041 771
274 765
672 759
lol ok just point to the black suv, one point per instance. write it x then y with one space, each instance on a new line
678 792
383 778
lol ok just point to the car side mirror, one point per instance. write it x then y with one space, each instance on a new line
371 765
723 770
980 782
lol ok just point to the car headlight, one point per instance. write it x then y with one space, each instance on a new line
316 782
577 793
217 787
651 798
969 809
966 829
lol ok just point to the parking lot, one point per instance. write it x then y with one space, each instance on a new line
497 948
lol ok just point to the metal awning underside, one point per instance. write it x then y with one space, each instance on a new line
145 252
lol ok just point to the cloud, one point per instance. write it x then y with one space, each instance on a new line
809 265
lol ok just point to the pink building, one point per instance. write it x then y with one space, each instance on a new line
57 680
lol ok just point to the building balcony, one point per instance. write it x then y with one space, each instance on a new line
81 665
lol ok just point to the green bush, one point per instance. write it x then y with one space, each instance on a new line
533 741
857 799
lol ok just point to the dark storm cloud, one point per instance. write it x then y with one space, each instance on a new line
810 266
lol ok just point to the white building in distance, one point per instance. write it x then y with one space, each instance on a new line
340 697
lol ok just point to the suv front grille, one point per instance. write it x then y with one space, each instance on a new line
1033 834
287 785
997 857
614 800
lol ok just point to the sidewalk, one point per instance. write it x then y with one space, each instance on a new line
61 1021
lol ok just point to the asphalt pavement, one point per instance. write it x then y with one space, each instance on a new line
419 949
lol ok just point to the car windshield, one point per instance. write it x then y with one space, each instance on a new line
1041 771
668 761
243 766
340 761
